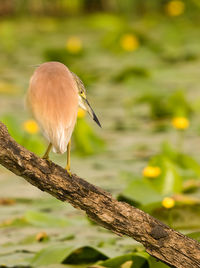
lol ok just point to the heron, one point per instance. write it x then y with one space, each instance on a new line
54 96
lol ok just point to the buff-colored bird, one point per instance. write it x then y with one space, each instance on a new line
54 95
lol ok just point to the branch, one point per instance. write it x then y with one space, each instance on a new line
160 241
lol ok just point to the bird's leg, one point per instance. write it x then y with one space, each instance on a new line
68 157
46 155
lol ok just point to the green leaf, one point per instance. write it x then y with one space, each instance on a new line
45 220
33 142
142 192
12 123
187 162
85 254
131 72
69 255
194 235
138 260
106 21
52 255
86 141
184 161
169 182
154 263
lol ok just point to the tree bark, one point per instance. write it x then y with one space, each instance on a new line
160 241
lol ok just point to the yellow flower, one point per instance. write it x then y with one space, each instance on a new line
74 45
180 122
175 8
31 126
129 42
168 202
81 113
151 172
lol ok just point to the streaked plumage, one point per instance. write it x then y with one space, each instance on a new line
51 87
53 97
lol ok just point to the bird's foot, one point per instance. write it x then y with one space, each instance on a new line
45 156
47 159
68 171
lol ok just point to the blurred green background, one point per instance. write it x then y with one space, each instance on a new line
140 63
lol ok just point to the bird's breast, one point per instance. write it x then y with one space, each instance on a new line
53 99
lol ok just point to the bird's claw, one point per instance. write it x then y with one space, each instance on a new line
68 171
47 159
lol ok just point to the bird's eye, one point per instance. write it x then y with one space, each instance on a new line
82 94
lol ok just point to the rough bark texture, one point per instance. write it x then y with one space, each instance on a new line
160 241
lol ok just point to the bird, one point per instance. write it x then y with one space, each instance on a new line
54 96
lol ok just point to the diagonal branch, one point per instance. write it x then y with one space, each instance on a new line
160 241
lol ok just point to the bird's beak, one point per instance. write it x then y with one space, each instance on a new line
89 109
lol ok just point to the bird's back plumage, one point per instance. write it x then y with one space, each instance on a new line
53 99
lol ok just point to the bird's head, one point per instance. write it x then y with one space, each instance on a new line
83 102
